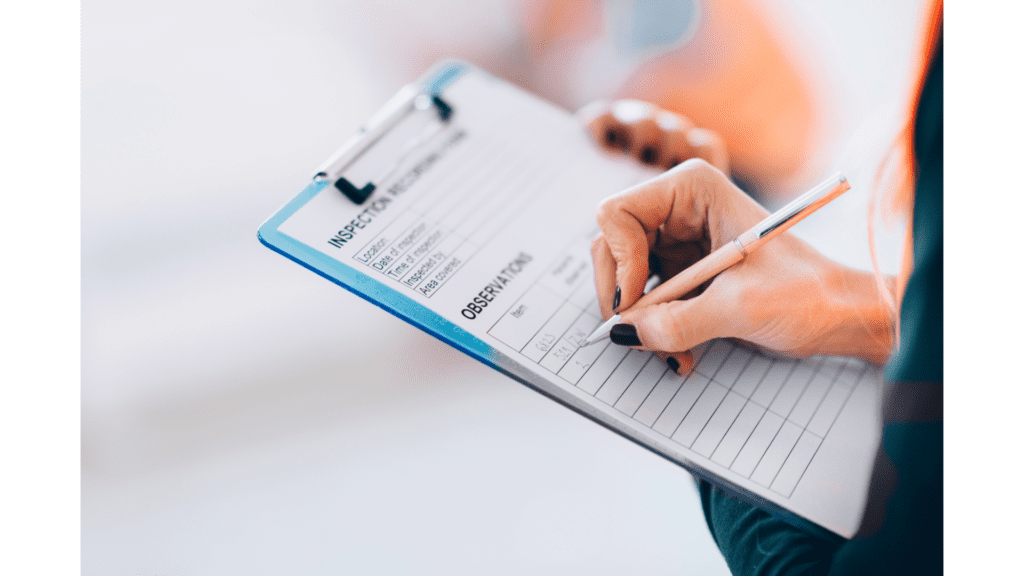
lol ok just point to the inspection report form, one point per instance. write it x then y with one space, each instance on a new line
479 233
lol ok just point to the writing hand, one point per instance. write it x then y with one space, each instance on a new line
786 297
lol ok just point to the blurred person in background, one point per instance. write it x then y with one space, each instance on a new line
720 63
788 298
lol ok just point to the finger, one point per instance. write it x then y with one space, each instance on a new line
607 131
590 112
676 203
639 120
604 276
709 146
602 126
627 243
675 146
679 362
677 326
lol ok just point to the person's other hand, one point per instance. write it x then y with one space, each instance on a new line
651 135
785 297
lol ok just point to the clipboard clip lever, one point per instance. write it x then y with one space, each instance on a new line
420 103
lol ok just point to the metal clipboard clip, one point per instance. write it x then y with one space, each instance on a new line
409 101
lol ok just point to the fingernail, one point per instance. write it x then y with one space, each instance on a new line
624 335
649 155
617 299
617 139
673 364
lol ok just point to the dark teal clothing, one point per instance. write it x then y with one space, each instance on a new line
902 529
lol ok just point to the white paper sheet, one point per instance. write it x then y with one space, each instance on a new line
489 224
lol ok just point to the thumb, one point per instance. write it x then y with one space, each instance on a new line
676 326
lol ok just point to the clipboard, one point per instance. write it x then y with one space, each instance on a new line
464 207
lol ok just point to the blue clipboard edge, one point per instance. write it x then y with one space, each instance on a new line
434 81
362 285
439 77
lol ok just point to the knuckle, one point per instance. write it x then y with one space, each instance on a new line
594 112
606 210
711 137
672 122
666 326
700 167
675 334
701 137
712 180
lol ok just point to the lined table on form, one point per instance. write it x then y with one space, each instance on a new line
762 417
426 245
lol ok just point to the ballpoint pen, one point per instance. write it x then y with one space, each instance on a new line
732 253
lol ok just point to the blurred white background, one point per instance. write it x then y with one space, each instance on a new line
241 415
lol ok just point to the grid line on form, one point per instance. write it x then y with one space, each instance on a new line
782 440
466 240
618 364
566 305
561 307
381 252
724 410
750 403
718 425
747 441
753 374
640 401
860 378
429 242
433 183
627 402
738 434
680 405
812 396
715 412
775 364
538 177
668 401
865 369
709 374
442 183
776 406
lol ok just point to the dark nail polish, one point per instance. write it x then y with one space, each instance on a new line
616 138
611 137
624 335
673 364
617 299
649 155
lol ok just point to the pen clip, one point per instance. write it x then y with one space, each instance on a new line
796 210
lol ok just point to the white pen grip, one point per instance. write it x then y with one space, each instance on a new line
704 270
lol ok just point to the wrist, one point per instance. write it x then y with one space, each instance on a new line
864 325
